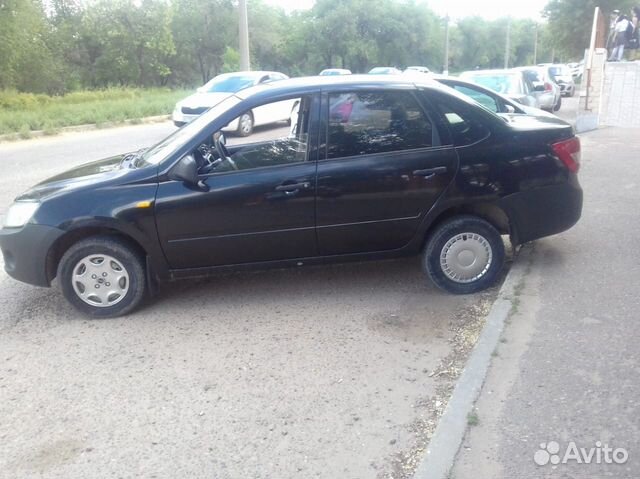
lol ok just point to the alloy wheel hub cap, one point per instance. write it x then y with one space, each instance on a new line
100 280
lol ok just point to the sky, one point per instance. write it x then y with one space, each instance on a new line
489 9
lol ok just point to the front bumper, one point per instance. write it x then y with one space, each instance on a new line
25 252
544 211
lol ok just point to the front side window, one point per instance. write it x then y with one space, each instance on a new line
363 123
280 137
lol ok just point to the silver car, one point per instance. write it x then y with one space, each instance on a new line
545 88
563 77
511 83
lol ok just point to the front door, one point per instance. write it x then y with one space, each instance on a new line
258 206
382 171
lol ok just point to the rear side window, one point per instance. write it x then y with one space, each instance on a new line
466 126
362 123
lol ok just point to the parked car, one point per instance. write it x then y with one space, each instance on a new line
376 167
563 75
224 86
384 71
334 71
545 89
511 83
489 99
417 69
577 69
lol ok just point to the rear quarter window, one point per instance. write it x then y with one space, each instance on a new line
465 125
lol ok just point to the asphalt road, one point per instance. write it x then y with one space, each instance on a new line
317 372
567 369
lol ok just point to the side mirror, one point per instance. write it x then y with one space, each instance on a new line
186 170
510 109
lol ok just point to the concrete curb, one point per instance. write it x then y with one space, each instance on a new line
448 436
79 128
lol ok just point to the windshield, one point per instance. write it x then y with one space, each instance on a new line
228 83
179 138
560 71
504 84
380 70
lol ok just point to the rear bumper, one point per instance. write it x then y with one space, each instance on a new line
25 252
544 211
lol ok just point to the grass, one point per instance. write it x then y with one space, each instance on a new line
22 113
473 419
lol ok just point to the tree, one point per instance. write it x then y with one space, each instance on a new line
202 31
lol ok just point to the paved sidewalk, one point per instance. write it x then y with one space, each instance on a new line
567 369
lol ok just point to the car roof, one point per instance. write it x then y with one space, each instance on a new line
337 82
499 71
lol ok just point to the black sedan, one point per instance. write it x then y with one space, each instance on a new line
372 167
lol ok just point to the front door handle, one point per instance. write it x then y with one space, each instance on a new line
292 188
429 172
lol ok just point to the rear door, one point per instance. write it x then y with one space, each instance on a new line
382 169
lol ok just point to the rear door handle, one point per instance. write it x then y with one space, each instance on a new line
429 172
291 188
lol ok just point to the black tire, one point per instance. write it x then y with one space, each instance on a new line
117 249
448 231
179 124
245 129
557 106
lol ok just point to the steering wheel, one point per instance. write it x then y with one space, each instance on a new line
224 153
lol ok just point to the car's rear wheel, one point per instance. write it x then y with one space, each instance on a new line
102 276
465 254
558 104
245 124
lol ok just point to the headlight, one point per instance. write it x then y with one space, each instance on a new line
20 213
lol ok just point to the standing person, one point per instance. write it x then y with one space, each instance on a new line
634 43
620 38
613 18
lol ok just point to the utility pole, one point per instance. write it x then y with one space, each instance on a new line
445 68
535 46
244 36
507 46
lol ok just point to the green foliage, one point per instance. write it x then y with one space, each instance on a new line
59 46
24 112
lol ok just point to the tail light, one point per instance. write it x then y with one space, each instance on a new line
569 153
548 87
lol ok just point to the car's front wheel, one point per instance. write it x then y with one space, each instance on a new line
465 254
102 276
